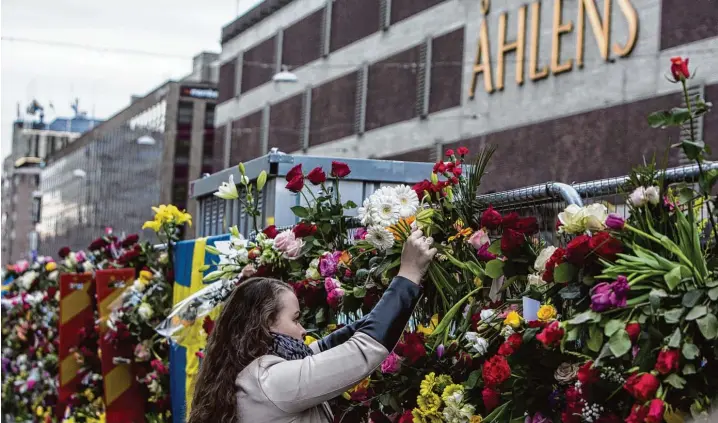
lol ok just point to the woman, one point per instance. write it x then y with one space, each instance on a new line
257 369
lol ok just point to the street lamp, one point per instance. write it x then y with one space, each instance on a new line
79 173
285 76
146 140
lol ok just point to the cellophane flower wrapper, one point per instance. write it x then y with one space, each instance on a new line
195 307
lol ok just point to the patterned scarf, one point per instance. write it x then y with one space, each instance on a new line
289 348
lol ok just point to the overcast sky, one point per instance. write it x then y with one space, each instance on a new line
103 81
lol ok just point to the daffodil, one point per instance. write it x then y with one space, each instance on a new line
309 340
227 190
432 325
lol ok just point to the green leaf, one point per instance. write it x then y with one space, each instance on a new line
689 369
300 211
673 278
495 247
696 312
690 351
564 273
619 343
693 149
675 340
210 249
675 381
359 291
612 326
494 269
529 335
595 339
708 325
713 294
473 379
655 297
319 316
584 317
673 316
675 117
691 298
711 284
350 205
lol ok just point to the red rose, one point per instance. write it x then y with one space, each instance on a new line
296 184
130 240
317 176
490 218
159 367
449 153
407 417
511 241
638 414
456 171
606 246
578 250
551 335
512 344
536 324
294 172
411 347
271 231
64 252
655 411
464 360
475 320
208 325
643 386
525 225
439 168
340 169
97 244
510 220
634 331
587 375
462 151
667 361
679 68
304 229
496 370
491 398
556 258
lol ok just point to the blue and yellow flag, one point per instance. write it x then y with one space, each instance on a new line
189 258
6 284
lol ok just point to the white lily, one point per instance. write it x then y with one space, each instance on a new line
228 190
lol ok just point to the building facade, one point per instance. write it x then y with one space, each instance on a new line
33 141
562 88
143 156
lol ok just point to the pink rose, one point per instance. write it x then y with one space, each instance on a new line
294 250
330 284
479 239
31 384
391 364
283 240
334 298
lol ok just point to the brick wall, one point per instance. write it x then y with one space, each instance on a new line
447 55
246 138
302 42
683 23
285 124
258 65
402 9
333 110
392 90
353 20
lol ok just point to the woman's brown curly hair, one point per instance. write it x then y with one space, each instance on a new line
240 335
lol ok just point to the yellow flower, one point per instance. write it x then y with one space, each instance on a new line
39 411
478 282
49 267
466 232
443 381
476 419
89 395
513 319
451 390
155 225
309 340
428 404
546 313
146 275
363 385
421 417
331 327
427 385
432 325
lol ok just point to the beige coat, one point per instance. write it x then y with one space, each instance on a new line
275 390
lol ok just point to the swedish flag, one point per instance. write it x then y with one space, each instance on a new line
189 258
6 284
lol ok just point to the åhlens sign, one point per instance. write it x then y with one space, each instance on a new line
562 27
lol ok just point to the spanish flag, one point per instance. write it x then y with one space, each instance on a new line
189 258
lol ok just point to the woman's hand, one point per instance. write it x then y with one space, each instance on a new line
416 256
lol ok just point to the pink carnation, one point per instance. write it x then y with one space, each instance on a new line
391 364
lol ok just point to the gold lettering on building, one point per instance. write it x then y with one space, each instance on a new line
588 15
518 46
534 73
601 28
559 29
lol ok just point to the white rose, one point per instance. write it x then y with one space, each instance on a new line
638 197
543 257
313 273
594 216
145 311
652 195
571 219
487 315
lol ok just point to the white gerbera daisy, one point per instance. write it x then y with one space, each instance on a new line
380 237
407 199
385 210
364 212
